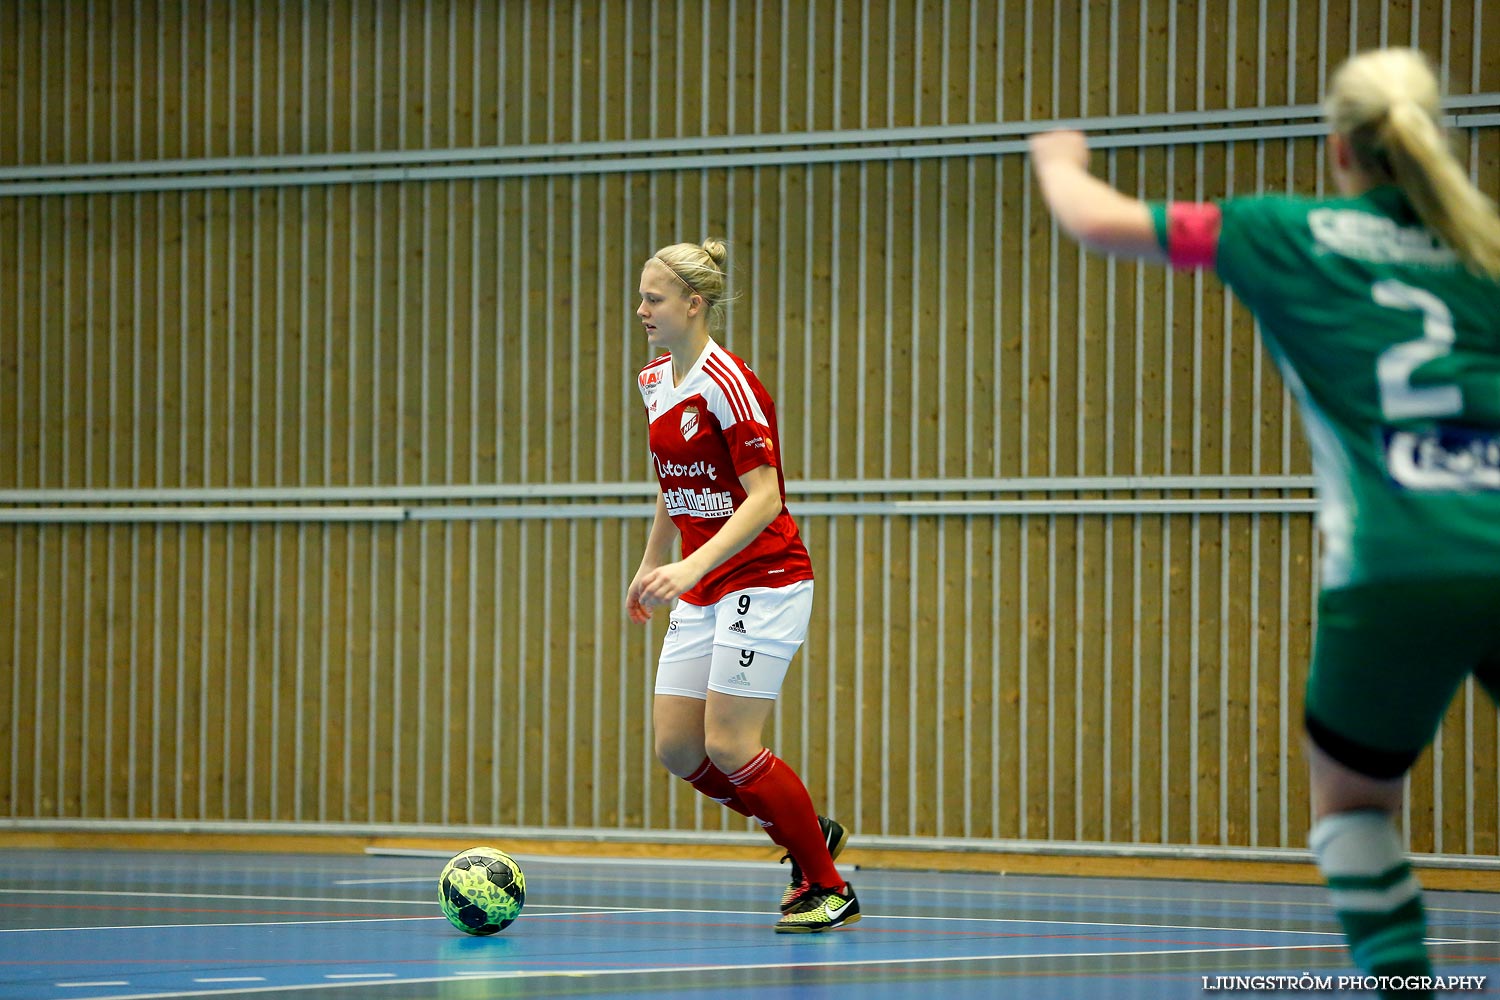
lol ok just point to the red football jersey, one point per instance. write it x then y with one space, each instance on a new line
718 423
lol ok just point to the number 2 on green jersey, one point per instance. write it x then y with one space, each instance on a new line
1399 399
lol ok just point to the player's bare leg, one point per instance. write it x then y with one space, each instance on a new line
677 724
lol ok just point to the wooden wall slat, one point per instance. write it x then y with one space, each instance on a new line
305 68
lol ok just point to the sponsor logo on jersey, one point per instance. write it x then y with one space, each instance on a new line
1363 236
764 443
698 503
689 422
688 470
650 380
1444 459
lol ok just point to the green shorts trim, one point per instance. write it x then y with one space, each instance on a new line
1388 658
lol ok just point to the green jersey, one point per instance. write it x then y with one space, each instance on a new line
1391 348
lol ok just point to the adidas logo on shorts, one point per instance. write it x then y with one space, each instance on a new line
738 626
739 680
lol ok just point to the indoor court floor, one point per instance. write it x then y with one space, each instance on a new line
103 924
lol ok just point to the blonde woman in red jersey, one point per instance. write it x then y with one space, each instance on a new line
743 586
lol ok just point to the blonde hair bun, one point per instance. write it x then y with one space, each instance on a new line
717 251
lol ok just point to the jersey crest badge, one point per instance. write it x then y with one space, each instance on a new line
689 422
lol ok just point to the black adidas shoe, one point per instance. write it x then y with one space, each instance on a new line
836 837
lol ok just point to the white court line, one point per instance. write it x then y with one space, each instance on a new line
1321 902
562 912
748 967
223 895
1166 927
1318 903
102 982
614 911
762 866
1108 923
611 911
231 979
360 975
1056 923
651 862
201 926
1117 925
557 859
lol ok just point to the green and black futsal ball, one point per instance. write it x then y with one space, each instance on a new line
482 890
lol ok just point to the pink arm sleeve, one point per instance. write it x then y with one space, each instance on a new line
1193 234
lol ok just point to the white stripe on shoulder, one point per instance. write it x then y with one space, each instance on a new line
717 397
729 393
728 376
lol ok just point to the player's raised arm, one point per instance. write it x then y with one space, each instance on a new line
1087 208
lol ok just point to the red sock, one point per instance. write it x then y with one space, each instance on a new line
712 782
781 803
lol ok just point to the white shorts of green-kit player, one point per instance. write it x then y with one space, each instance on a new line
742 645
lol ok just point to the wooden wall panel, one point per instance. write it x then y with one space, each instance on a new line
1128 677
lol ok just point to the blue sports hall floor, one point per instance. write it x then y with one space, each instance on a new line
93 924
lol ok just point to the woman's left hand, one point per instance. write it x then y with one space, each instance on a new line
665 584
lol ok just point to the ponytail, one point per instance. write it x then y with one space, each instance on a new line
1439 189
1385 102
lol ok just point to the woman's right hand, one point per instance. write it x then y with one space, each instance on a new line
637 612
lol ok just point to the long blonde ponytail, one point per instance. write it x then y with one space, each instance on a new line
1386 103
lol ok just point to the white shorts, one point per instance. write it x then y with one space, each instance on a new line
742 645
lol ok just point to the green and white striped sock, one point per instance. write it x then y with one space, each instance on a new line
1378 900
